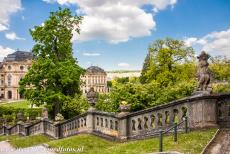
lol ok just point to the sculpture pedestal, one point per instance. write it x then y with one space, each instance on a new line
201 93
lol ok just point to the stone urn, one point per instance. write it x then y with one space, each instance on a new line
20 117
124 107
92 97
45 114
58 118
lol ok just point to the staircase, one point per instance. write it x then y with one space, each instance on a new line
220 144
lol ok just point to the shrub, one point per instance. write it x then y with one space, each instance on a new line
9 113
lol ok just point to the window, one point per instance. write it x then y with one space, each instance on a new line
9 67
21 68
9 80
9 94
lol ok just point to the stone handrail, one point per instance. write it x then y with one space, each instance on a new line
202 111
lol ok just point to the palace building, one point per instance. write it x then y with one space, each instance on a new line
94 77
15 66
12 69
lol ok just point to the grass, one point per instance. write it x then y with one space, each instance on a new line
10 137
22 142
18 104
191 143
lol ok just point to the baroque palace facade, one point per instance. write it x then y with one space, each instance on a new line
14 67
96 78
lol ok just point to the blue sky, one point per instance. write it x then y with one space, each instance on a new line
116 34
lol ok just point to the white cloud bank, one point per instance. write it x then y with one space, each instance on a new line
8 7
13 36
4 51
217 43
115 20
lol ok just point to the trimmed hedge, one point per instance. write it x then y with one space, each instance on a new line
9 113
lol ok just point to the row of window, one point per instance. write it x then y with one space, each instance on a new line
9 80
21 67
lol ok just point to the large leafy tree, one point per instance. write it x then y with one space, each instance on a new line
164 59
220 68
55 75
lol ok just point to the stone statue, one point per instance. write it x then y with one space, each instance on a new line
203 73
92 96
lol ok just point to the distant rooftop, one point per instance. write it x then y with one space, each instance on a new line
19 56
95 69
123 71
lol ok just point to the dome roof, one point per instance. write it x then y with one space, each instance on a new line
19 56
94 69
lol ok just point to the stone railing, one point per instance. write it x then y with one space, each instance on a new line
202 112
149 122
73 126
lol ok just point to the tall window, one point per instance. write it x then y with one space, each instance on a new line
9 94
9 80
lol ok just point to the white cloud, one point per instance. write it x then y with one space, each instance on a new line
91 54
215 42
2 27
190 41
162 4
4 51
49 1
7 7
115 20
13 36
122 64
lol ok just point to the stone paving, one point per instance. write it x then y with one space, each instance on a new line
220 144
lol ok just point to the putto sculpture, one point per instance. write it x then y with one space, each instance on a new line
203 73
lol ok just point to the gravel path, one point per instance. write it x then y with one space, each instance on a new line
6 148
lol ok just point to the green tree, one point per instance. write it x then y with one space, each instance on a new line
165 56
55 75
168 74
220 68
145 68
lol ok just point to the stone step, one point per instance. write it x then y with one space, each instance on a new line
220 144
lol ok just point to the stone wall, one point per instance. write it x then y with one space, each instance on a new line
202 112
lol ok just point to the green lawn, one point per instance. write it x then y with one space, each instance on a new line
22 142
10 137
191 143
18 104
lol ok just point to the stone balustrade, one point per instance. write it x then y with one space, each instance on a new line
149 122
202 111
73 126
105 124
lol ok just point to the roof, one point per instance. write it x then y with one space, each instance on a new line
19 56
95 69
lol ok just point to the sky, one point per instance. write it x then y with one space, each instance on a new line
115 34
